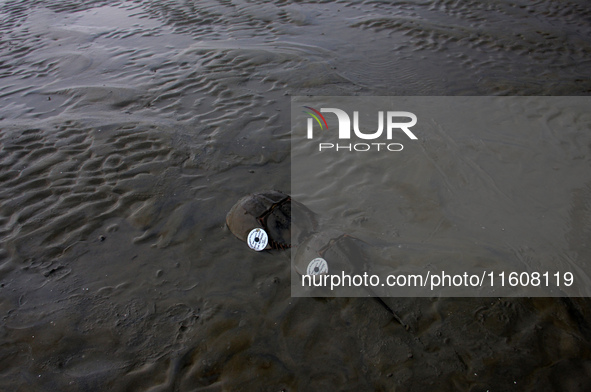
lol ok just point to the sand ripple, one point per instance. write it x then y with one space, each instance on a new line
129 128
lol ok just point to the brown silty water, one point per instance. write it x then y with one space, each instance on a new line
129 129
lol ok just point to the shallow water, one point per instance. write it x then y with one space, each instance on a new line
128 130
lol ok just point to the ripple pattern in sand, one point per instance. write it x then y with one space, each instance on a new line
490 42
61 184
129 128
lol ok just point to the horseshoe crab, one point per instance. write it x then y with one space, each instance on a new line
271 212
340 252
263 220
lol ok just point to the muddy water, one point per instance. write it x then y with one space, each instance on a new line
128 129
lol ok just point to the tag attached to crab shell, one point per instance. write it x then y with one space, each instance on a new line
257 239
317 266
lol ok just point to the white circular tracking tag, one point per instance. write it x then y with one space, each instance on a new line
317 266
257 239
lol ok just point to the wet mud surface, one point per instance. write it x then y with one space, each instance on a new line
129 129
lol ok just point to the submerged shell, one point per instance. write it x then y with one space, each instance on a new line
342 253
271 211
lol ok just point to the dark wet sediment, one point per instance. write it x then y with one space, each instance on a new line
127 131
